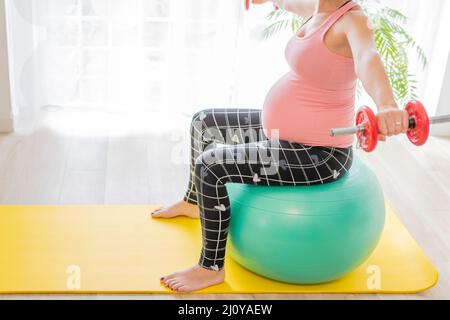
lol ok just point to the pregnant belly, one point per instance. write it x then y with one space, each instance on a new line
299 112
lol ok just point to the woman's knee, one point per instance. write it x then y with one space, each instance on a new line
201 166
200 126
208 165
200 116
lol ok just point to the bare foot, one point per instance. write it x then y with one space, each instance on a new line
193 279
181 208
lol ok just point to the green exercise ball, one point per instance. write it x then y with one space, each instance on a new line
307 234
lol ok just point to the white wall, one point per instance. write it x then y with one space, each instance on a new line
6 119
444 104
435 82
21 48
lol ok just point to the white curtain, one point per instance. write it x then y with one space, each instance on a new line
428 23
124 55
168 55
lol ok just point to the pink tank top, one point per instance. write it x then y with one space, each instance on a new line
317 94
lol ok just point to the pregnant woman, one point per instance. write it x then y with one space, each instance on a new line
288 141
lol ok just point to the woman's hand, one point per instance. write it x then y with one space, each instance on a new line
392 121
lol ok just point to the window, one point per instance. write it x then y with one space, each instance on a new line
132 54
172 55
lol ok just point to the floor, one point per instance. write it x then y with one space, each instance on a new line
79 158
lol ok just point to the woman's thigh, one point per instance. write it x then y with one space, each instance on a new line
228 126
274 163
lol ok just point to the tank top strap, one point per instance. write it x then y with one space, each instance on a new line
334 17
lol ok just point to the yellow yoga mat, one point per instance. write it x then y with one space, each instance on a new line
120 249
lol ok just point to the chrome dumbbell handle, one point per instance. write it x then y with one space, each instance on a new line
346 131
440 119
353 130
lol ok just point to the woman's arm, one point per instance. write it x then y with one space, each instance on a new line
370 70
303 8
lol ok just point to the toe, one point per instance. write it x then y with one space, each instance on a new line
170 282
169 277
174 284
156 212
177 286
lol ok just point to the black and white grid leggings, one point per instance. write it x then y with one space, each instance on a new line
229 145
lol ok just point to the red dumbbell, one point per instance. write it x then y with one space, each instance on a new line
366 128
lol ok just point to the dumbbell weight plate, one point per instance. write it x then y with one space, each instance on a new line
367 138
419 129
